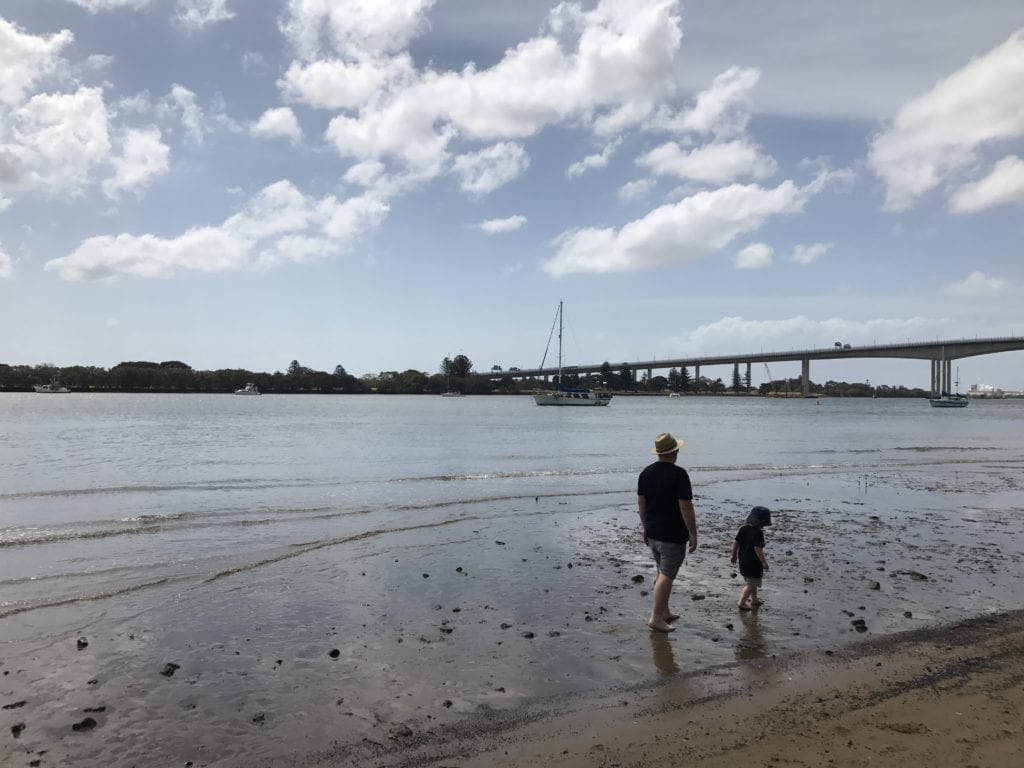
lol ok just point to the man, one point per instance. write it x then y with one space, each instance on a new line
665 503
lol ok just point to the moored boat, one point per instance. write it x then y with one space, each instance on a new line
53 388
565 395
248 389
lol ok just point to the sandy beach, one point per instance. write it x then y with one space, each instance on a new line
948 697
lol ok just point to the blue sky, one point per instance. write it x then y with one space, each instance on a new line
381 184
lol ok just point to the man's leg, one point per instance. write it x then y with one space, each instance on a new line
659 608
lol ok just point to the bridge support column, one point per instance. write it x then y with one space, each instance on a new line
805 376
935 378
650 374
746 383
696 377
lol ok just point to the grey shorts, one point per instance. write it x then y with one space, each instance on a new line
668 556
752 581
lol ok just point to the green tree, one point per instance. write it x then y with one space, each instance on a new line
684 379
737 384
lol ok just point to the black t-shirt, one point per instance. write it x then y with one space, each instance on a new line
663 484
750 536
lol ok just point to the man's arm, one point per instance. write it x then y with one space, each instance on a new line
686 510
735 551
641 508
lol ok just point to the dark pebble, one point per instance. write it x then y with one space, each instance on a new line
169 669
15 705
908 615
447 703
259 719
875 585
426 575
82 643
528 635
697 597
16 729
500 544
86 725
334 653
638 579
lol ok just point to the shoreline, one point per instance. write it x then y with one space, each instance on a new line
952 694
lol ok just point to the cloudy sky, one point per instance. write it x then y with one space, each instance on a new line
241 183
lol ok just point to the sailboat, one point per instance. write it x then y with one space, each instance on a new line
53 388
564 395
947 400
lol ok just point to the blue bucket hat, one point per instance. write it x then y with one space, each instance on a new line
759 516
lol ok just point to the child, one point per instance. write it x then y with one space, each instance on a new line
748 547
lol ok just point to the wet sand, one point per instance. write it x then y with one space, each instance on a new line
517 626
949 697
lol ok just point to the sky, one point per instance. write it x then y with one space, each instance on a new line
379 185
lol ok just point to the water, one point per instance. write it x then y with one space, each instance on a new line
244 538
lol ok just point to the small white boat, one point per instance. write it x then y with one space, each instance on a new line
53 388
451 393
248 389
674 394
564 395
947 400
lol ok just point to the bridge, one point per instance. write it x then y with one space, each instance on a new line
939 353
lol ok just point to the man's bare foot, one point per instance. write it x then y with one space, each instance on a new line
743 606
660 625
671 616
756 603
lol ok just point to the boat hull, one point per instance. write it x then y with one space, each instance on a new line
949 401
571 398
50 389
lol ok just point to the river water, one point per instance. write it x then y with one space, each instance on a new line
323 570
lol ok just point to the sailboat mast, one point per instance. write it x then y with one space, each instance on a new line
559 345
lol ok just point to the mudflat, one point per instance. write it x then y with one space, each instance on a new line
949 696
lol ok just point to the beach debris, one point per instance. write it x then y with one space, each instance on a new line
85 725
169 669
334 653
916 576
499 543
448 703
528 635
505 625
15 705
259 718
875 585
16 729
638 579
554 633
87 710
908 614
400 731
860 625
698 597
82 643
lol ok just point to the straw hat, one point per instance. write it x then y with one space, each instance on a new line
665 443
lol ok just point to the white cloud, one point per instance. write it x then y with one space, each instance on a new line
806 254
196 14
279 224
606 69
509 224
338 84
1005 184
599 160
754 256
675 234
95 6
634 190
112 322
54 142
940 133
717 162
183 101
347 26
6 265
722 110
484 171
278 122
975 285
143 157
26 59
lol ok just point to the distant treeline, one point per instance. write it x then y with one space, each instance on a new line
457 374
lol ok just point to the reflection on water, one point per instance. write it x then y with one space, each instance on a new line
751 644
661 649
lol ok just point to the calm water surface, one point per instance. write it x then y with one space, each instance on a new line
99 492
